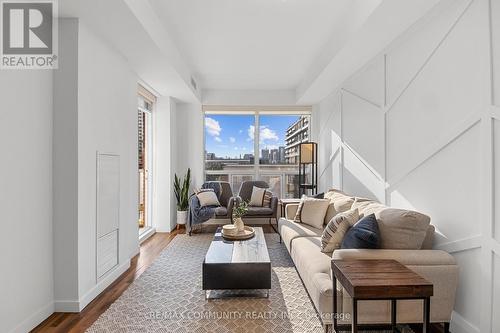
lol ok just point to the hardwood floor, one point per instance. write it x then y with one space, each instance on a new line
78 322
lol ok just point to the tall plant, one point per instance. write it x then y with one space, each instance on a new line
181 190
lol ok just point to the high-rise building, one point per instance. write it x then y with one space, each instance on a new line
264 155
274 156
296 133
281 154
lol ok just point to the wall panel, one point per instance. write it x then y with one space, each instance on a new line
363 130
444 183
428 148
369 83
442 96
406 58
496 293
496 177
495 34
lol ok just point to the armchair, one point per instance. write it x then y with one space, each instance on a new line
199 215
269 213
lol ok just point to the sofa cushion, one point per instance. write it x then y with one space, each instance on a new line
289 230
314 268
335 230
339 203
312 211
399 228
259 211
363 235
402 229
220 211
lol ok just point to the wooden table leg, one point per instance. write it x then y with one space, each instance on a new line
393 314
427 315
354 322
334 314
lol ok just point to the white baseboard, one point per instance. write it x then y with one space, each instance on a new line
79 305
460 325
146 234
35 319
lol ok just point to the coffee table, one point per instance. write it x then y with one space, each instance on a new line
379 280
241 265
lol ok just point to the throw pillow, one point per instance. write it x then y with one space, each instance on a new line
268 195
402 229
208 198
335 230
363 235
257 197
312 211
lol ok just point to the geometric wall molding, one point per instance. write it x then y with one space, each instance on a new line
440 141
437 146
433 32
368 83
460 245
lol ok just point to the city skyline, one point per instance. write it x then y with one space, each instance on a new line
229 136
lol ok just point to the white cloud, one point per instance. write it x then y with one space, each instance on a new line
232 140
235 148
212 126
266 134
217 139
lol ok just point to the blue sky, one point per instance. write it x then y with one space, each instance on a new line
231 135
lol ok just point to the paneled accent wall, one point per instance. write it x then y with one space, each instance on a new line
419 127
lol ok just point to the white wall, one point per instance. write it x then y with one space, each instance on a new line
107 123
26 281
95 111
416 128
248 97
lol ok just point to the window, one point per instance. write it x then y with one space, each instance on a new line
236 152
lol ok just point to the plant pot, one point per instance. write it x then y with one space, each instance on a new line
182 217
238 223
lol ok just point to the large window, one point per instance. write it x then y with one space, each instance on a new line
236 152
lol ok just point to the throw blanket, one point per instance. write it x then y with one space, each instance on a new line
198 214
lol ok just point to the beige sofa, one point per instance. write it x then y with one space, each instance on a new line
304 244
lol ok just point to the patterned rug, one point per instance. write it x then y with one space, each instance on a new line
168 297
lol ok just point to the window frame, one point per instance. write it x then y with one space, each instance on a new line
257 112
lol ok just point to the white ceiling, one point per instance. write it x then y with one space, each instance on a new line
259 44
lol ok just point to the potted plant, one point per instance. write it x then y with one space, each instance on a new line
239 211
181 190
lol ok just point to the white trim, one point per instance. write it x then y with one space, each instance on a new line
460 245
106 281
438 145
225 109
460 325
390 105
34 319
150 231
362 98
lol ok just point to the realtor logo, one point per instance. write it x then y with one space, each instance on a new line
29 34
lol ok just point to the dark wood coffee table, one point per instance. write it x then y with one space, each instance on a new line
241 265
379 280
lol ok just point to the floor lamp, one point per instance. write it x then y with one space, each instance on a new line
308 156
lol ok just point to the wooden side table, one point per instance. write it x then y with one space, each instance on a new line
379 280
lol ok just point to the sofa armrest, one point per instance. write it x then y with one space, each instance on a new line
405 257
290 211
274 206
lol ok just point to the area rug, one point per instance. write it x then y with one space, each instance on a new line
168 297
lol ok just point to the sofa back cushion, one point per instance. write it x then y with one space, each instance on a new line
312 211
339 203
399 228
402 229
